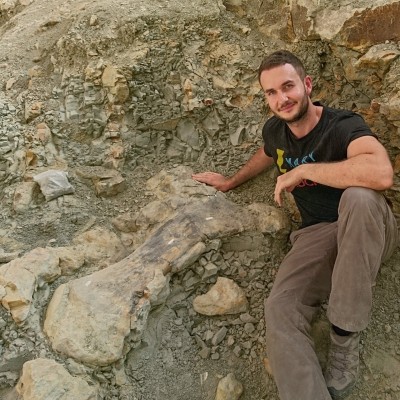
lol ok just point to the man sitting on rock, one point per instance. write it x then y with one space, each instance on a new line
335 167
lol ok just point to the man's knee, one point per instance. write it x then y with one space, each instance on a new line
284 312
359 198
280 312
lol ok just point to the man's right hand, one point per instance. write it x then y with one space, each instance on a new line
258 162
218 181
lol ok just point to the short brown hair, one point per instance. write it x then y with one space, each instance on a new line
282 57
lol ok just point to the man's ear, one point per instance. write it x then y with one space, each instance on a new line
308 84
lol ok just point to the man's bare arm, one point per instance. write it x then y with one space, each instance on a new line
367 165
255 165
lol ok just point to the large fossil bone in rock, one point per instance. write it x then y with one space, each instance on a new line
89 319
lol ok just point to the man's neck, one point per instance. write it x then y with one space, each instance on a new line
308 122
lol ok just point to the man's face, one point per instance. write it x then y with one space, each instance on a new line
286 93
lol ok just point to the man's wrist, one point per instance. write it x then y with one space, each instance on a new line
229 184
303 171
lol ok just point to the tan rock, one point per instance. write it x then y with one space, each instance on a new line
177 182
93 20
44 379
10 83
23 196
378 58
7 257
391 107
270 219
97 245
43 133
22 276
110 187
32 111
8 5
154 213
229 388
107 182
71 259
225 297
125 223
115 81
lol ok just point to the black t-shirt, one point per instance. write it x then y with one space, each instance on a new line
327 142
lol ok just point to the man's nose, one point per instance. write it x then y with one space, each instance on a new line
282 97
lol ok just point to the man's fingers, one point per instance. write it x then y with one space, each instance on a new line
277 196
204 176
214 179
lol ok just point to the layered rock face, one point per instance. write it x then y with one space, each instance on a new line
113 92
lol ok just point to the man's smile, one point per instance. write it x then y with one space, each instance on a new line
287 107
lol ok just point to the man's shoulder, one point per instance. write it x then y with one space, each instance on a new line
345 123
340 114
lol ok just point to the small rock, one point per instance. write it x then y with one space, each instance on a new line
230 341
93 20
249 328
219 336
238 351
229 388
246 317
205 353
208 336
247 345
225 297
210 270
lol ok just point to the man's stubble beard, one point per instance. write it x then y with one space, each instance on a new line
300 114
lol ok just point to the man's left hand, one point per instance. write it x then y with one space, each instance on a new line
287 182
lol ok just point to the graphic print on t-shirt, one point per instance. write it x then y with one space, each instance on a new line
294 162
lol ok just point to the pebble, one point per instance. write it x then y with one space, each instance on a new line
210 270
238 351
229 388
228 255
219 336
249 327
230 341
246 317
178 321
205 353
208 336
247 345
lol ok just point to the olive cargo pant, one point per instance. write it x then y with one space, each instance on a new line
338 261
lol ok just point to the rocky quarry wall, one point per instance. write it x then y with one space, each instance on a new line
106 108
